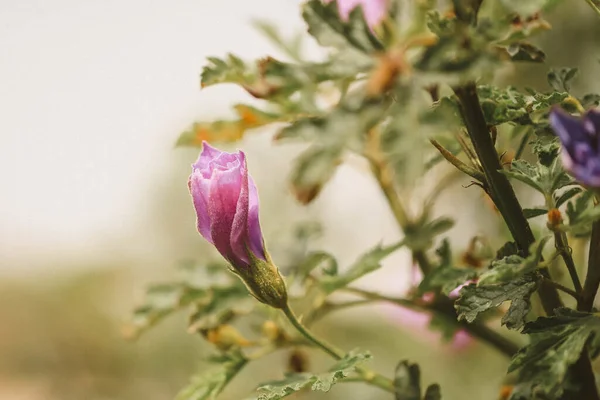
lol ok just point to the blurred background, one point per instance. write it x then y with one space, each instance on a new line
94 203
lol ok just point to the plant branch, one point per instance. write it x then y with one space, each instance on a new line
560 241
594 6
507 203
367 375
564 289
445 307
500 189
592 277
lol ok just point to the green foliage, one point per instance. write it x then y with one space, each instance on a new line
407 384
475 299
323 382
367 263
544 179
446 277
582 212
208 385
556 344
560 79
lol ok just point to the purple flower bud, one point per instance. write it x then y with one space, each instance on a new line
373 10
226 203
580 139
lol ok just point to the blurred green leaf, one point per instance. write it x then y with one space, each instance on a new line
230 70
322 382
291 48
208 385
421 235
525 51
219 306
317 260
560 78
445 276
511 267
312 170
325 25
407 384
582 213
476 299
367 263
556 344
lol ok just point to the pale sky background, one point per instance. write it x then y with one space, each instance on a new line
93 95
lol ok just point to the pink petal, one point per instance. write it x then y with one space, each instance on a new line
199 189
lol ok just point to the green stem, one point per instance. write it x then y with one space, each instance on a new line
592 277
562 245
500 189
367 375
594 6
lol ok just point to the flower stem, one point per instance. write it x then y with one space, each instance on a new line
366 375
562 245
592 278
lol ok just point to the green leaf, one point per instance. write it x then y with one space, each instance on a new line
325 25
219 306
317 260
556 344
407 381
161 301
501 105
407 384
566 196
534 212
582 213
421 235
511 267
446 277
475 299
322 382
269 30
545 179
525 51
208 385
312 170
367 263
230 70
560 78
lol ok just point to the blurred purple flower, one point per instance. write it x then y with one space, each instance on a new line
226 203
373 10
580 139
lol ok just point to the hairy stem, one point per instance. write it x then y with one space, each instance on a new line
562 245
592 278
366 375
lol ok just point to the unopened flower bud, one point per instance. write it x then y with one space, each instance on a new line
226 202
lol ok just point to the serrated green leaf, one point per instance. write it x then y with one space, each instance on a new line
475 299
208 385
509 268
566 196
367 263
560 78
556 344
446 277
501 105
230 70
545 179
322 382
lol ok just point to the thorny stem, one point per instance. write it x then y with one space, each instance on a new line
367 375
445 308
